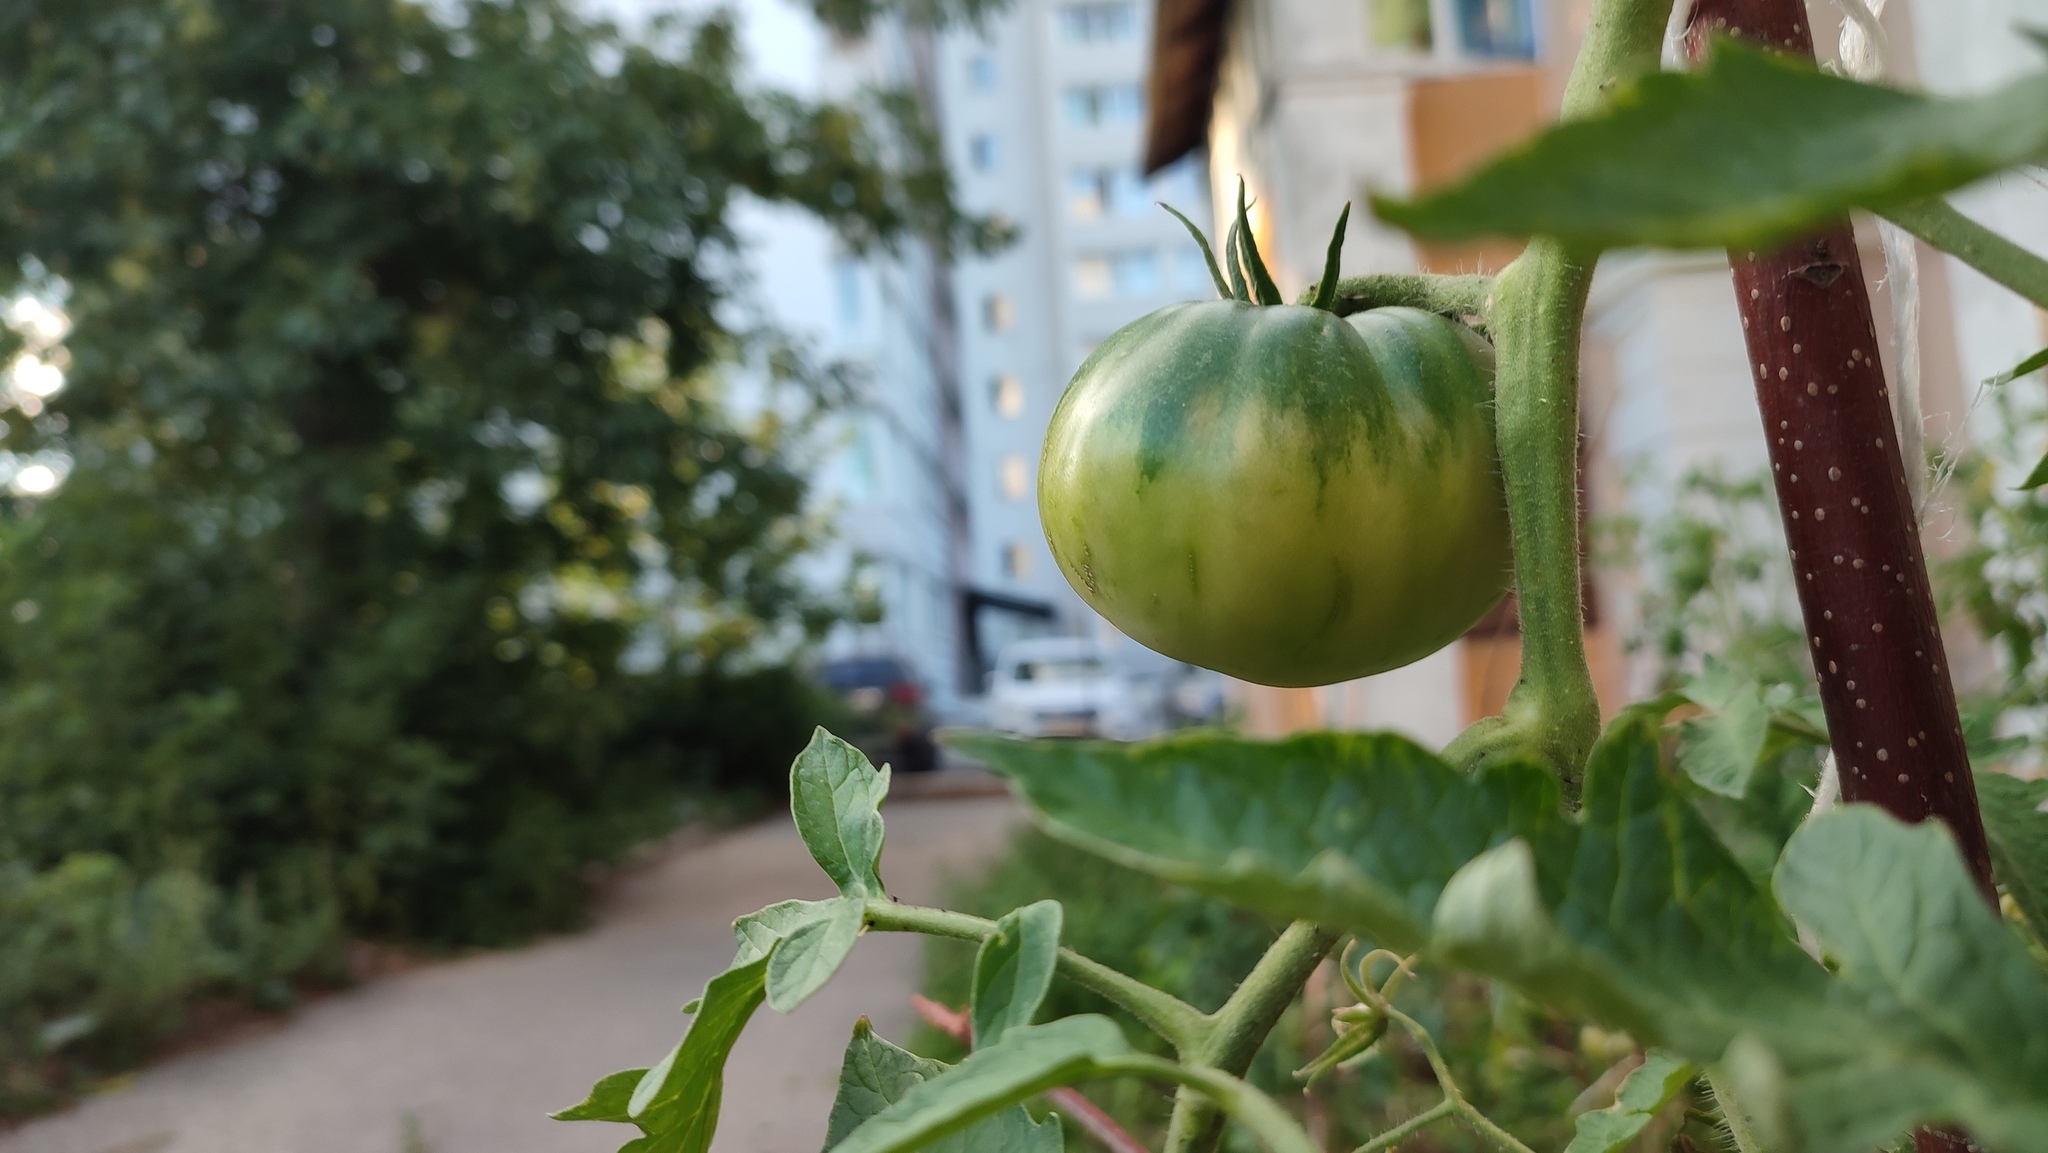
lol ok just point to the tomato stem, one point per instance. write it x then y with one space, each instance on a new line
1238 1028
1938 223
1458 297
1538 307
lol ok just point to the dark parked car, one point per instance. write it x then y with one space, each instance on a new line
890 722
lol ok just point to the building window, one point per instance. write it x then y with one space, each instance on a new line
1094 105
981 152
1008 396
1190 270
1136 273
1098 23
1133 273
998 312
1401 25
1016 478
981 72
846 286
1016 560
1497 29
1093 193
1091 277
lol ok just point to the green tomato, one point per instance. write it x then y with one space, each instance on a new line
1278 493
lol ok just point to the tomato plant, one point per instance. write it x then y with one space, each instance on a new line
1828 987
1275 492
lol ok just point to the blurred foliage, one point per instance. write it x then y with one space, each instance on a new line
1523 1065
1995 574
1713 579
416 550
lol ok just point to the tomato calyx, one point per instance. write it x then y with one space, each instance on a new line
1248 280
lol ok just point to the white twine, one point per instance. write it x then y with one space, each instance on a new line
1862 48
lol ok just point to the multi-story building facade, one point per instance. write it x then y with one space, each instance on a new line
1043 115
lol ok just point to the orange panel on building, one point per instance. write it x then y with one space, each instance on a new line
1455 123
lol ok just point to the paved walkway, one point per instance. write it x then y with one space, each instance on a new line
466 1057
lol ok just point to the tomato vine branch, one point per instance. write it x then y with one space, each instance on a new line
1236 1030
1454 1104
1271 1124
1937 222
1537 310
1457 297
1180 1024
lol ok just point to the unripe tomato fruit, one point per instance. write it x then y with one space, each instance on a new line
1278 493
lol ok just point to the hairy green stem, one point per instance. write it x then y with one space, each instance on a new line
1420 1121
1271 1124
1236 1031
1182 1025
1537 308
1739 1129
1453 1096
1937 222
1452 296
1552 712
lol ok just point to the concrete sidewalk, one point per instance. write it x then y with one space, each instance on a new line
468 1056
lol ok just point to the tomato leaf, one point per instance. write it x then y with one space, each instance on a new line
2032 364
2017 828
787 951
836 797
676 1102
1745 725
1027 1061
1753 149
1643 919
1013 970
1352 830
608 1101
1959 1005
1643 1094
876 1074
812 950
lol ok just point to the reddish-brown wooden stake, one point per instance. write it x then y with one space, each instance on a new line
1855 541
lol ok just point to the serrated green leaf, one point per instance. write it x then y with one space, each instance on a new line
835 796
1643 919
1026 1062
677 1101
1351 830
1958 1008
1722 749
1751 150
876 1074
760 932
1013 970
608 1101
1643 1094
812 952
2018 832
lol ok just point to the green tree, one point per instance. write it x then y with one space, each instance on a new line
409 560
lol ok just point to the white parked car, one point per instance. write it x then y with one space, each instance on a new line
1062 687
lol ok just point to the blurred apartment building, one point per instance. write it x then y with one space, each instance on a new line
1316 102
1042 115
